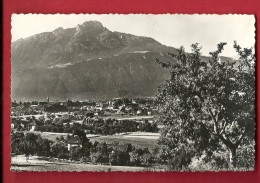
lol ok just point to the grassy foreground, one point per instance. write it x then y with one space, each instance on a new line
35 164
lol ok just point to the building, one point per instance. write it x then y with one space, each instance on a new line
99 107
31 126
74 142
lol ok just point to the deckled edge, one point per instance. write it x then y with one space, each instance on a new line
190 14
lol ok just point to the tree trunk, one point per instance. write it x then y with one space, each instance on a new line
233 158
232 151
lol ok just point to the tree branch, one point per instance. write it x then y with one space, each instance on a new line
223 127
226 141
240 139
215 121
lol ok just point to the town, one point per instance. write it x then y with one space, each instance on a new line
57 116
120 131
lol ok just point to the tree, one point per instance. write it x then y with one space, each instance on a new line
113 158
28 143
147 159
81 134
134 158
60 150
207 104
99 153
17 139
122 157
46 147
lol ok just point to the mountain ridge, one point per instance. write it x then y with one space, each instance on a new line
87 61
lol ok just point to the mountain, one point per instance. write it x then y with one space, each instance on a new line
86 62
69 46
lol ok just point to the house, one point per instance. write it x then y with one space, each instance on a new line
110 107
43 103
91 108
139 112
99 107
74 142
121 110
66 117
31 126
34 106
34 103
23 122
85 107
133 105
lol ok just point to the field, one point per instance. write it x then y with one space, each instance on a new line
36 164
137 142
138 139
50 135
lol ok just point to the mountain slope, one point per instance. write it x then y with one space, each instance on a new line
87 41
86 62
128 74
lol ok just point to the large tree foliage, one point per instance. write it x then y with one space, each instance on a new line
206 105
30 144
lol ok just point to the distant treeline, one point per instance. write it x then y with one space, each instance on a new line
100 126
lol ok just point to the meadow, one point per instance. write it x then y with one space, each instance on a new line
137 139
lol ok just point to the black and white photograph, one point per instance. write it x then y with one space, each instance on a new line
132 92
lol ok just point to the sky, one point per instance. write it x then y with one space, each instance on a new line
168 29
